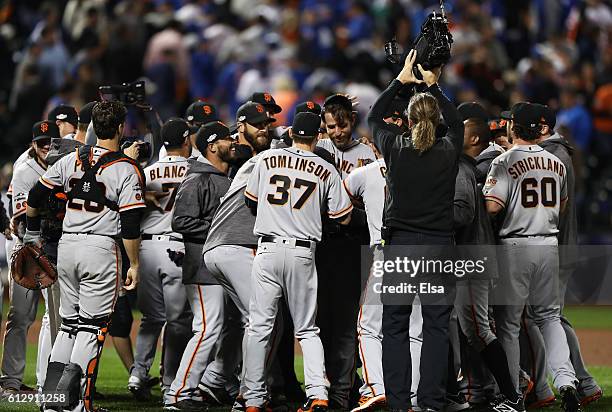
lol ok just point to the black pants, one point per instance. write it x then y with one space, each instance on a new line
397 364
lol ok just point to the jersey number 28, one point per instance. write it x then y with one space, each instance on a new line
283 184
531 196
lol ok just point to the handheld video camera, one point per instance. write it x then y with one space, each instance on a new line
127 93
433 45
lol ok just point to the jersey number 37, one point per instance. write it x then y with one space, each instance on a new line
283 186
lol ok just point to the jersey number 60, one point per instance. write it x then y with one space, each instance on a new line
547 194
283 184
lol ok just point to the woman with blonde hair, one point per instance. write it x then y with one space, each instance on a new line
421 171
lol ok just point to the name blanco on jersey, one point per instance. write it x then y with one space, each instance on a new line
535 163
304 165
169 172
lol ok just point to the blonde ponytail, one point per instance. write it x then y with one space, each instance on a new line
424 113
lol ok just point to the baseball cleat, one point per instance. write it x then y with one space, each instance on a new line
216 396
314 405
541 403
506 405
569 399
587 399
456 403
371 403
140 390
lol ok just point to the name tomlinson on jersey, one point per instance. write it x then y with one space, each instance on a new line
304 165
168 172
535 163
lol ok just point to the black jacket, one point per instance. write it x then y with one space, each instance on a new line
483 163
421 186
197 200
568 220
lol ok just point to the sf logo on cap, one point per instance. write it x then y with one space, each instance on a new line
310 105
44 127
207 109
267 97
260 108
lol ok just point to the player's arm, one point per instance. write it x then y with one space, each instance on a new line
130 233
251 190
339 205
464 203
564 194
496 190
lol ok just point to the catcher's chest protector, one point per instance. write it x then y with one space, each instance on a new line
88 188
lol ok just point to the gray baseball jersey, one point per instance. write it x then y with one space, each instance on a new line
122 182
164 176
20 160
283 182
369 184
354 156
24 178
531 184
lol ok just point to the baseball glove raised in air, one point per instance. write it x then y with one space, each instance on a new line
32 268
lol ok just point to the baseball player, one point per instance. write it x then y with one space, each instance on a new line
228 254
105 198
531 185
162 297
24 302
338 258
289 224
196 202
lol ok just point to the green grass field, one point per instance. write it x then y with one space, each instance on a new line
112 379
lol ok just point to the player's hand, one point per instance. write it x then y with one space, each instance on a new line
430 76
133 151
7 233
406 76
354 100
152 199
131 280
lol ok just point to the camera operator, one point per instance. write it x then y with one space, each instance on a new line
421 171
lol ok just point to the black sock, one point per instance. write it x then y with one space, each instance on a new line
495 359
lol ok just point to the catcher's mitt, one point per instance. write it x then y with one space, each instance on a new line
32 268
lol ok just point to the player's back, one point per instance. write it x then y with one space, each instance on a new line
122 183
293 188
164 178
535 181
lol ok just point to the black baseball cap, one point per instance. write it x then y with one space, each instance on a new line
339 99
64 113
45 129
252 113
174 132
306 124
472 110
267 101
308 106
396 109
199 113
85 113
547 116
507 114
213 131
527 115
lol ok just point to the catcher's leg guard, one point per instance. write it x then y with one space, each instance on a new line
88 348
64 342
55 370
69 384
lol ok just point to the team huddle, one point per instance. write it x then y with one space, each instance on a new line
238 240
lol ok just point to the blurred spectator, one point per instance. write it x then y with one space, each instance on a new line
54 57
575 117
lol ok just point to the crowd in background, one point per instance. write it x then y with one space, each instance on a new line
554 52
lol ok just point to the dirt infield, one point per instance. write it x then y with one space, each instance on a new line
596 349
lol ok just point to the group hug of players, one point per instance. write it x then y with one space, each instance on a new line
239 239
